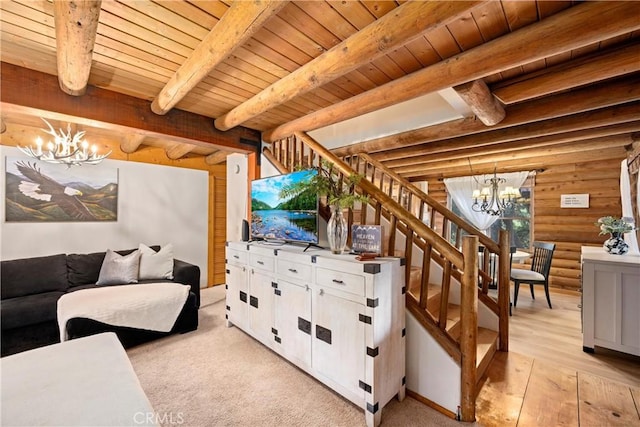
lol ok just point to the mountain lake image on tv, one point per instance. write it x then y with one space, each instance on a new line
293 219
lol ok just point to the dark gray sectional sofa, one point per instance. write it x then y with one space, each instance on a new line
31 287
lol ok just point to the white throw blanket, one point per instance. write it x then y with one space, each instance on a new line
150 306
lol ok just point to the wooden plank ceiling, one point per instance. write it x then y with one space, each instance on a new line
540 73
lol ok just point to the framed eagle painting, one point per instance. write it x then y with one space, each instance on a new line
42 192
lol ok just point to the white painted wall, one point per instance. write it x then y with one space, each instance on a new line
237 190
238 186
156 205
426 110
266 168
430 371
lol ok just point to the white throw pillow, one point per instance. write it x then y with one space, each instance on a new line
117 269
156 265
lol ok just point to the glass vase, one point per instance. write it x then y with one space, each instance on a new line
337 230
616 245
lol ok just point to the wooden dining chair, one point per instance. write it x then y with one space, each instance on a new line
512 250
539 272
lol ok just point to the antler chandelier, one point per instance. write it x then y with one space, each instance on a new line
491 200
65 148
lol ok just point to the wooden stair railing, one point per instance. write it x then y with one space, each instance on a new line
300 151
450 226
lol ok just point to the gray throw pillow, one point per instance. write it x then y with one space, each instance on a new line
119 270
156 265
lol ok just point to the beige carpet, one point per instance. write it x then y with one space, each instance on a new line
219 376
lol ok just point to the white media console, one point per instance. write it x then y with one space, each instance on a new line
339 319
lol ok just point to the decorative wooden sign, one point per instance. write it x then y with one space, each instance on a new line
366 239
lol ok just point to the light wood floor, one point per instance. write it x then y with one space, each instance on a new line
547 380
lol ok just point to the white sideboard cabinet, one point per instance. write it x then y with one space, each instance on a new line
339 319
611 300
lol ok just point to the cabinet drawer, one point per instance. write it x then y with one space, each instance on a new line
293 270
261 262
236 257
346 282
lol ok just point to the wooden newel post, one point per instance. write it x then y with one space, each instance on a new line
503 290
469 327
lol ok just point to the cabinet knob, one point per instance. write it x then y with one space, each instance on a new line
306 287
260 262
339 282
236 257
244 268
321 292
293 270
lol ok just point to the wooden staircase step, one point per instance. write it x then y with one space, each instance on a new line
415 281
486 349
433 300
415 278
453 319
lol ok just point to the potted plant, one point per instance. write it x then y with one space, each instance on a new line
615 227
339 194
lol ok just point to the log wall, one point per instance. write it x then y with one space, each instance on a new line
572 228
569 228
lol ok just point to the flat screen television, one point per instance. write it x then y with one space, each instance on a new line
293 219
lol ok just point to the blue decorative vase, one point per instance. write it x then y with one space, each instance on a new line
616 245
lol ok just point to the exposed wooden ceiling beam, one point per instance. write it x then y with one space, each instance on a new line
575 73
591 119
76 25
403 24
481 101
595 144
562 32
179 150
131 141
577 141
239 23
615 151
502 147
581 100
217 157
29 92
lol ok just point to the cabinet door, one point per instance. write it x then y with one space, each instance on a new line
292 333
237 295
616 296
261 305
338 340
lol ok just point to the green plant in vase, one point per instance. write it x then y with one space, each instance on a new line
340 195
615 227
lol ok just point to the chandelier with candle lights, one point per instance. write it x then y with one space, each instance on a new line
493 201
66 148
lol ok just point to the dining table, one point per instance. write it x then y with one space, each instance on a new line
519 257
